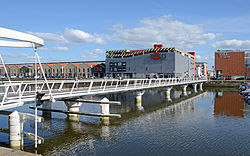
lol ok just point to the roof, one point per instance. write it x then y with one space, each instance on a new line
51 64
224 51
20 65
62 64
129 53
76 64
91 64
9 65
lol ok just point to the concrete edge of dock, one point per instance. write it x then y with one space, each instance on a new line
4 151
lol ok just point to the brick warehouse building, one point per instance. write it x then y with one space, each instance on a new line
232 64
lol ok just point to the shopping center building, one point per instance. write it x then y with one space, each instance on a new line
155 62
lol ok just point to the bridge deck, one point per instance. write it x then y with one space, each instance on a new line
19 93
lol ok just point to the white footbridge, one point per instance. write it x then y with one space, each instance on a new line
18 93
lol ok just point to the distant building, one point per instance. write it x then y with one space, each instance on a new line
53 70
200 69
99 70
155 62
210 73
232 64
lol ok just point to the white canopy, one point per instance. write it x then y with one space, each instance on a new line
23 40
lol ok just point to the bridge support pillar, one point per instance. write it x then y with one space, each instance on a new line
105 110
138 100
15 128
168 93
46 105
195 87
201 84
138 97
74 107
184 89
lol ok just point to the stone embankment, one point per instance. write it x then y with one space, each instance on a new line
225 83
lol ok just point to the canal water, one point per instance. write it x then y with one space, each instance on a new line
212 122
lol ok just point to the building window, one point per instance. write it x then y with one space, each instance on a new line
79 70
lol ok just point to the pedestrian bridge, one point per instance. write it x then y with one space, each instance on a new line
22 92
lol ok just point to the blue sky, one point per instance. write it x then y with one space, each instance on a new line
82 30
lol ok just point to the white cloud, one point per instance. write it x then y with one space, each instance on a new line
172 33
71 37
199 57
232 44
96 53
54 49
28 58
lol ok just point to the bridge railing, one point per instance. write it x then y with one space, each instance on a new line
25 91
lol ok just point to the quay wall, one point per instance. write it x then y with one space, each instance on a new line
225 83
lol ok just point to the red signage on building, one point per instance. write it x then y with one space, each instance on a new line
156 56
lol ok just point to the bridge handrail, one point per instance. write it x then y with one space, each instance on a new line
25 91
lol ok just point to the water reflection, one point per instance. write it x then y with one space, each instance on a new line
229 104
185 125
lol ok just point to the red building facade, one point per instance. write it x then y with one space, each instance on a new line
231 63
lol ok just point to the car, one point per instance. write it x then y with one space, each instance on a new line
240 78
219 78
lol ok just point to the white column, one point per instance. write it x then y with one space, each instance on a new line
138 100
138 97
74 107
105 110
168 93
15 130
201 84
184 89
195 87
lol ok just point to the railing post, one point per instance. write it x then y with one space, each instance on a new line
24 88
90 86
117 81
73 87
42 86
135 83
61 86
52 86
142 82
101 83
111 82
5 94
104 85
20 95
127 83
149 83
